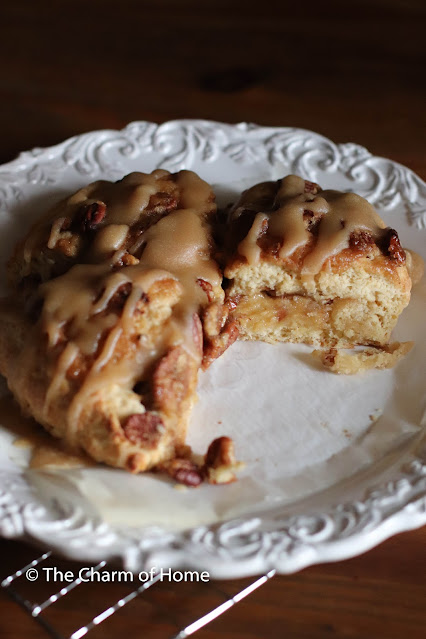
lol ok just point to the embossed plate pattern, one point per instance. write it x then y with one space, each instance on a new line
346 520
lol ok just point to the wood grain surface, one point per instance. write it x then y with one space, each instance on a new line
352 71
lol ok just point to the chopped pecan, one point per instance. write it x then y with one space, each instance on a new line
68 245
143 428
218 345
197 332
161 203
311 220
214 318
220 453
120 296
329 357
219 462
233 302
269 243
312 187
66 224
128 260
184 471
361 240
61 239
207 288
92 215
171 380
394 248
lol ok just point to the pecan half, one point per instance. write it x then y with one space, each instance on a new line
143 428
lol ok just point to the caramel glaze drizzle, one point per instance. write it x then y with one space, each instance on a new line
339 214
176 247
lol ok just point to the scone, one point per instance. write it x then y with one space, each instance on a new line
102 339
313 266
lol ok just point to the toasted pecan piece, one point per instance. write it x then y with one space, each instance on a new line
219 462
390 245
216 346
143 428
214 318
207 288
312 187
91 215
183 470
361 240
171 380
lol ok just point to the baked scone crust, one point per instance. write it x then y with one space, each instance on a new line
118 302
313 266
104 339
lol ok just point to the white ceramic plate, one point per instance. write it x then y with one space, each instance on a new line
334 464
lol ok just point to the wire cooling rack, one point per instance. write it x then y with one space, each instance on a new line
36 609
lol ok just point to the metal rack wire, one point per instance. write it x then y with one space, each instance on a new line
36 609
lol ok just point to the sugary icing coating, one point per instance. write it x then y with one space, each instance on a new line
299 215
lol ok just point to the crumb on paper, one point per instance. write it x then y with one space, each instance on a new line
224 474
347 433
342 363
220 464
375 415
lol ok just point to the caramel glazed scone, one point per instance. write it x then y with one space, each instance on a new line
118 302
319 267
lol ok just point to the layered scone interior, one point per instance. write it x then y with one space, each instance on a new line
314 266
103 337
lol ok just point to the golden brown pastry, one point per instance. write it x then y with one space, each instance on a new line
102 339
313 266
118 301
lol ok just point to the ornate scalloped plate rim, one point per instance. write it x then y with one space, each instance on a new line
252 544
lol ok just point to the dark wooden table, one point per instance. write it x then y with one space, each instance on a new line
353 71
